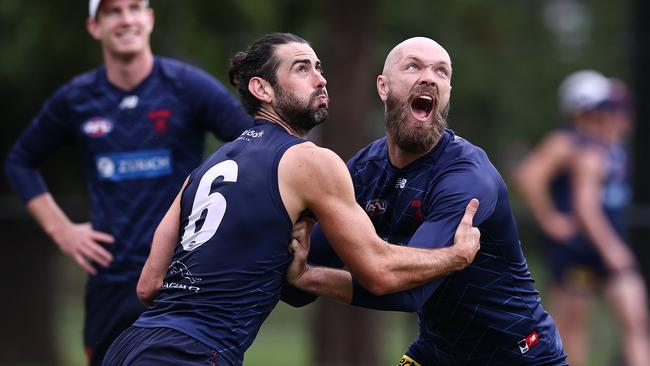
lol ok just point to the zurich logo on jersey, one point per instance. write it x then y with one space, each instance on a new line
134 165
97 127
375 207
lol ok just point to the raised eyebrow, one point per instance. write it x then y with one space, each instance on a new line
302 61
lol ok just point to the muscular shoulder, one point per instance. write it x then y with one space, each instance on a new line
315 169
315 161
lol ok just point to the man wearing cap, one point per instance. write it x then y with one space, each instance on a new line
575 183
140 121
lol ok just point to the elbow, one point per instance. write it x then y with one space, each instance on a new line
147 292
378 283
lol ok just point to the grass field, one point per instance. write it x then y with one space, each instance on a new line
285 337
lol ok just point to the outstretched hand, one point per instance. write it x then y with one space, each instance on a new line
467 237
299 247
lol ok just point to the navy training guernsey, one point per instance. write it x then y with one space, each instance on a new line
137 147
490 312
231 259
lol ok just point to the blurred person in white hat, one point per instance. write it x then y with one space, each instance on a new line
576 184
140 121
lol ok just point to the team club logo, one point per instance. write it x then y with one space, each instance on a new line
178 267
375 207
97 127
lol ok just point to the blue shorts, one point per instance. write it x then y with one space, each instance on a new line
159 347
575 264
111 307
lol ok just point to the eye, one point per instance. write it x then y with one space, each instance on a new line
412 66
442 71
301 69
319 68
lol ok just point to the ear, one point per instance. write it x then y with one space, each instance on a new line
93 28
261 89
382 87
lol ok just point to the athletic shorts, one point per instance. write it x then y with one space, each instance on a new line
111 307
159 347
575 264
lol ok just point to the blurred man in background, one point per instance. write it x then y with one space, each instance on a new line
140 121
227 232
413 185
576 185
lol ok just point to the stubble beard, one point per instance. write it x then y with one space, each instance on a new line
408 138
301 117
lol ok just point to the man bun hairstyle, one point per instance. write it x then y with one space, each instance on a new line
258 61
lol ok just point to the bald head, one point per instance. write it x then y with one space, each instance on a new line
415 44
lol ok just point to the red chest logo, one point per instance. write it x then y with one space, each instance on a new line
159 118
417 206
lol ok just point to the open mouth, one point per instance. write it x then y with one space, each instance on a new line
421 107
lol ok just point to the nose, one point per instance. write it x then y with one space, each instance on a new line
427 77
320 80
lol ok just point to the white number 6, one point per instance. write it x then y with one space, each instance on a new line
207 207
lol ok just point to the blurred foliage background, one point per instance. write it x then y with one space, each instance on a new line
508 58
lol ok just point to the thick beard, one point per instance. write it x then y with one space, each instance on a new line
300 117
411 140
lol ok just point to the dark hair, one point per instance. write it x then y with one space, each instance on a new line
259 60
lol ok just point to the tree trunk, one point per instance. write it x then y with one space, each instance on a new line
344 335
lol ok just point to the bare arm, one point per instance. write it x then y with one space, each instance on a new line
78 241
320 181
328 282
588 175
533 178
164 242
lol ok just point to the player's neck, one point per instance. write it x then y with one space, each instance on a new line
269 114
400 158
126 73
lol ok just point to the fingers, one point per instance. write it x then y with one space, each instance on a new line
98 254
470 211
83 263
102 237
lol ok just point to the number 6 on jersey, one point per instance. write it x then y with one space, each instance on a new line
208 208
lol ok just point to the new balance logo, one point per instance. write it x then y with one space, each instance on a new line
529 342
400 183
129 102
